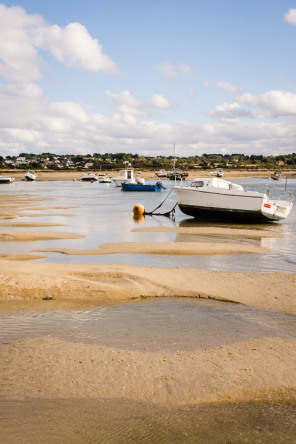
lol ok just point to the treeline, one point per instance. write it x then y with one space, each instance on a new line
112 161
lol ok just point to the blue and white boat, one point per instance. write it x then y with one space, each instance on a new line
140 187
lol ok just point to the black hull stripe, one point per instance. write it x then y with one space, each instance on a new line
222 213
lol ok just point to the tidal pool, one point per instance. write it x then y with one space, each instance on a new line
163 324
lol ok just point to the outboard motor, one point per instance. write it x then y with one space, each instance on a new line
159 185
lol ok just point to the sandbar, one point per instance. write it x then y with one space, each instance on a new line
10 235
29 224
48 175
20 257
214 231
52 368
164 248
91 282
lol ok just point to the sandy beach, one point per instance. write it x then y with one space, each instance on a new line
51 175
46 368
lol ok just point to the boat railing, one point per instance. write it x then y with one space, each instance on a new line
272 191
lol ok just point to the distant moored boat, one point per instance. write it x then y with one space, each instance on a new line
6 179
89 177
30 175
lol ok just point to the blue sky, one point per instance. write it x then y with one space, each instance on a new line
135 76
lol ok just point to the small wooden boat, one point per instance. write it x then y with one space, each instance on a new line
30 175
139 187
6 179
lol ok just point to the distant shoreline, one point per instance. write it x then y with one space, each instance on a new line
51 175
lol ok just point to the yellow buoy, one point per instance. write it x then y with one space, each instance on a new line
139 209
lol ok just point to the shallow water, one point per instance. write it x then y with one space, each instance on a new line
104 214
151 325
92 421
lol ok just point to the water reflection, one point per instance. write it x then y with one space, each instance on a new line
105 214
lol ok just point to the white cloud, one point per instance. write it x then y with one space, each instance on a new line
170 71
276 102
290 16
158 101
125 103
230 112
19 58
74 46
31 122
23 35
228 87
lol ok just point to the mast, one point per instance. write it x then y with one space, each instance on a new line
174 165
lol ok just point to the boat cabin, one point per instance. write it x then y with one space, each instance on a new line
127 173
215 183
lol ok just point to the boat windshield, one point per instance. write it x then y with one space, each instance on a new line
197 184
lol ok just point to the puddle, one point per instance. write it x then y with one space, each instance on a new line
152 325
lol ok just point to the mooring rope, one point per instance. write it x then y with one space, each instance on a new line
168 213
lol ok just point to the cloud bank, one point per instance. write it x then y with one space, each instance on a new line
22 36
31 122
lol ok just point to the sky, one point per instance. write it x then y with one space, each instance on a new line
138 76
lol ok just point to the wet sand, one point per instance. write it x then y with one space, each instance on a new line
41 370
50 368
104 283
9 235
43 175
164 248
214 231
77 421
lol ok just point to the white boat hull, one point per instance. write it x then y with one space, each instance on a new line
119 180
6 179
124 176
30 176
214 202
89 177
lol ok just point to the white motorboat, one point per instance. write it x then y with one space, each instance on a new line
218 198
103 178
218 172
89 177
30 175
127 176
162 174
6 179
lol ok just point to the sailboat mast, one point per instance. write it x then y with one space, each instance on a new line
175 164
174 158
